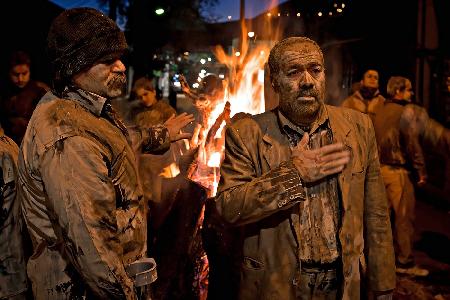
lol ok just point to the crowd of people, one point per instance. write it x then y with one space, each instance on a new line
305 194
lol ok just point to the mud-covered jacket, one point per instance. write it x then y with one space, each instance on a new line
81 198
398 129
357 102
13 276
259 193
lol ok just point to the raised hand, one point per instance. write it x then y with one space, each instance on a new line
318 163
175 123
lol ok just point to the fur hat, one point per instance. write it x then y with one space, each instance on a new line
80 37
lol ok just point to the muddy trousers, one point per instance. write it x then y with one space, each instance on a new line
400 194
318 283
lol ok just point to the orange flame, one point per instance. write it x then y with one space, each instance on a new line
244 90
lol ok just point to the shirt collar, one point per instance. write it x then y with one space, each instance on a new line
323 117
91 101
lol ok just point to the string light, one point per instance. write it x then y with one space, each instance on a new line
339 8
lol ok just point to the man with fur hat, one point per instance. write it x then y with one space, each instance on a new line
81 196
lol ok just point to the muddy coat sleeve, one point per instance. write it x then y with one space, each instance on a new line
246 194
81 199
12 264
377 228
152 140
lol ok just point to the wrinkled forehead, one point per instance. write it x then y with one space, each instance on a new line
302 50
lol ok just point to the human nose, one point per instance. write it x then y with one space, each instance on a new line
118 66
306 80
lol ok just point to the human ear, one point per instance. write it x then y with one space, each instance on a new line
275 85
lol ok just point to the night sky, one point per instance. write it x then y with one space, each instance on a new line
222 10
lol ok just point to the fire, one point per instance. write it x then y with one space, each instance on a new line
214 160
244 91
170 171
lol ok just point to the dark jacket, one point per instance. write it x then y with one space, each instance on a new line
255 195
17 105
82 199
398 127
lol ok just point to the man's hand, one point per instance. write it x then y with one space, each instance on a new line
319 163
175 123
190 155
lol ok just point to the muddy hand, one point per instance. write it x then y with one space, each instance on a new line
175 123
316 164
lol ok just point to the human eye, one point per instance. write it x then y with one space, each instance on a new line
292 71
315 70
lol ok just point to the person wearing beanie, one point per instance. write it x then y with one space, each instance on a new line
368 98
81 197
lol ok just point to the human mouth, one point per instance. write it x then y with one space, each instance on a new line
306 98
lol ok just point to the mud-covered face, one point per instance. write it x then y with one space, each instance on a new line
106 79
300 82
20 75
370 79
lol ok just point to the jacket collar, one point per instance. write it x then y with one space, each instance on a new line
323 117
358 95
341 130
91 101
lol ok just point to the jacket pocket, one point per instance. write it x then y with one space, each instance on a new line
252 273
249 263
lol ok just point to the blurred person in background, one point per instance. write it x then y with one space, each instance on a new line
366 97
19 97
401 128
